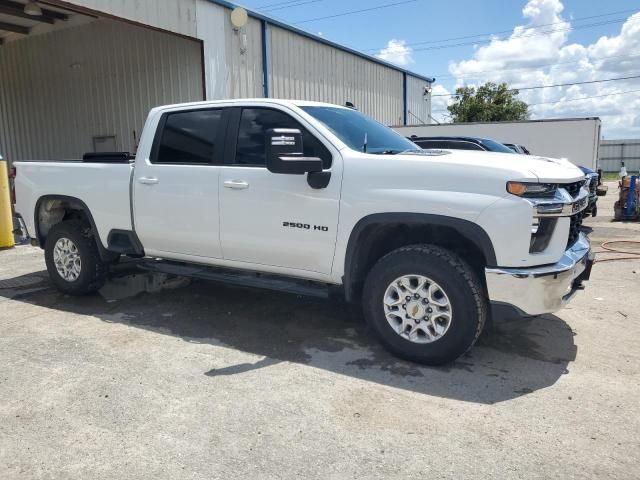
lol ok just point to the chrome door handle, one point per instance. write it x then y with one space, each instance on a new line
236 184
148 180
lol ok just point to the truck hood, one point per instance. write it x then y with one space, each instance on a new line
542 169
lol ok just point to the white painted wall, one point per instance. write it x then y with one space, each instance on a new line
178 16
60 89
575 139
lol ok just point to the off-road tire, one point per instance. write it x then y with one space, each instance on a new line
93 272
458 280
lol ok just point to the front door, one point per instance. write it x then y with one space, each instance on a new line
175 190
275 219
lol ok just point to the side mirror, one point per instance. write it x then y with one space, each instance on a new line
285 153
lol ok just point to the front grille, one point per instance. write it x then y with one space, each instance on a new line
593 184
574 228
573 188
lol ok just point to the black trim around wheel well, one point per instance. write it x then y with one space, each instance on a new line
369 229
104 253
125 242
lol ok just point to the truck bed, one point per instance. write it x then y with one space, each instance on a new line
103 187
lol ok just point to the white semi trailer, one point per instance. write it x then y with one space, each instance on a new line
576 139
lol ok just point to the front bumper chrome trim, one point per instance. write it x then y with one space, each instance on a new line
561 205
543 289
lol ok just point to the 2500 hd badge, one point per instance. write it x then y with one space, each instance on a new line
305 226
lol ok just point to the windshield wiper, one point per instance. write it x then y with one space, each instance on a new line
395 152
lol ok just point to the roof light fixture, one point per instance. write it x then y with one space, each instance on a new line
32 8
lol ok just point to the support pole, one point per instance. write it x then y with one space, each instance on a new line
266 58
405 105
631 195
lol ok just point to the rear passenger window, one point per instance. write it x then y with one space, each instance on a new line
254 123
189 137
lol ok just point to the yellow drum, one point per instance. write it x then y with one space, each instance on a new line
6 222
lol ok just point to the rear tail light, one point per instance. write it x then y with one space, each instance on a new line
12 184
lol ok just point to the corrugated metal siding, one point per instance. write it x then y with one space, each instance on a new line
418 104
210 28
233 68
614 152
173 15
307 70
244 61
61 89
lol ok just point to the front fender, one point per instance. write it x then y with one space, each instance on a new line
359 241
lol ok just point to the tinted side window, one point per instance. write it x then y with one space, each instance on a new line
464 146
254 123
189 137
431 144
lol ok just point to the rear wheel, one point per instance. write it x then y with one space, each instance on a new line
425 304
73 260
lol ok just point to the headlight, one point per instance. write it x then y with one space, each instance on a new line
523 189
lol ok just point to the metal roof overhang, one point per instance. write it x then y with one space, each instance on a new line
14 20
317 38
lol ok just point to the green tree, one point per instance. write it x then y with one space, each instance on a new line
488 103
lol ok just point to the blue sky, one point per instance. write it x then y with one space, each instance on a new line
571 49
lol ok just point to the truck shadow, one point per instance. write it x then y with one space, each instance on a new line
510 360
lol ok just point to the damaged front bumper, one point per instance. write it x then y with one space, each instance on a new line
544 289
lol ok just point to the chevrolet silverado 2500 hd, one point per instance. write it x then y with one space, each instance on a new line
278 191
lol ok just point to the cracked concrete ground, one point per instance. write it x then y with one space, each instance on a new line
163 378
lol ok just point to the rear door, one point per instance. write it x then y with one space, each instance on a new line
175 189
275 219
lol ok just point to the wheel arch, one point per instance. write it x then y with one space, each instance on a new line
53 209
376 235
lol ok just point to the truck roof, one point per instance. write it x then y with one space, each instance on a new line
450 137
240 101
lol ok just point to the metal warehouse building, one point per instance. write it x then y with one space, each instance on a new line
614 152
81 75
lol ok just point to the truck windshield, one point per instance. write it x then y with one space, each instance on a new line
360 132
493 146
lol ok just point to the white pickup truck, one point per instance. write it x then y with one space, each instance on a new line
306 196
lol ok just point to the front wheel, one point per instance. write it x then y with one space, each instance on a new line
425 304
73 260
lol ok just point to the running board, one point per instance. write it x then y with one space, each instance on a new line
240 278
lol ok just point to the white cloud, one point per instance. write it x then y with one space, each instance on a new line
396 52
440 99
511 60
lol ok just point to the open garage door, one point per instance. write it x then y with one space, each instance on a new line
72 83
